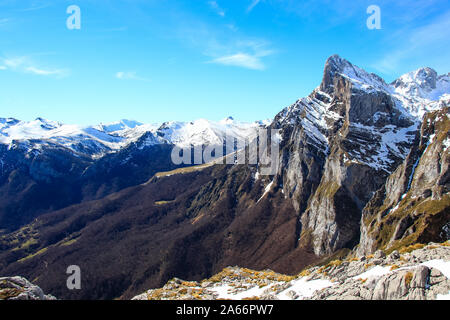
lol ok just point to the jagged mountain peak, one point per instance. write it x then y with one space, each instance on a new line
119 125
423 83
361 79
8 121
227 120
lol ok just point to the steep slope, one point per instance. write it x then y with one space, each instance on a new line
414 203
46 166
188 224
339 145
35 182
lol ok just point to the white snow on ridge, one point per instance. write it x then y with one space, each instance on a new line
304 289
203 132
223 292
417 92
104 138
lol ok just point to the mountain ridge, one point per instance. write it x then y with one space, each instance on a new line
339 147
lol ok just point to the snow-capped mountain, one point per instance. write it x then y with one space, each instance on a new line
422 91
417 92
392 126
423 83
347 137
359 168
204 132
101 139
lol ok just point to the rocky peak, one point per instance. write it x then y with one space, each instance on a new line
337 67
339 145
417 83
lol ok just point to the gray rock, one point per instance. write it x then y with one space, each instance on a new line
379 254
19 288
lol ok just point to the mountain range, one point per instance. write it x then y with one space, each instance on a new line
363 167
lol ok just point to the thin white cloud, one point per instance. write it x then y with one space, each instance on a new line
224 44
241 60
129 75
217 9
43 72
253 5
25 65
410 44
249 55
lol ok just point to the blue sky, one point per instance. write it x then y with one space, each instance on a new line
160 60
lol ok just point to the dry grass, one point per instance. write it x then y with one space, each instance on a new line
183 170
163 202
304 273
411 248
368 265
33 255
68 243
408 278
189 284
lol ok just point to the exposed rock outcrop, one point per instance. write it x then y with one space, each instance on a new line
414 203
339 145
18 288
415 273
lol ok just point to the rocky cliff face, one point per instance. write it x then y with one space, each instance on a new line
413 204
339 145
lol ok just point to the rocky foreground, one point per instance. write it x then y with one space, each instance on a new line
18 288
417 272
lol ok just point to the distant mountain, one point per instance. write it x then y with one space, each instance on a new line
363 166
47 165
99 140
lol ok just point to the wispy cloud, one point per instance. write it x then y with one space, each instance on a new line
25 65
411 44
223 44
216 8
248 54
241 60
129 75
43 72
253 5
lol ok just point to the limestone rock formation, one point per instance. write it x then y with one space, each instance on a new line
19 288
